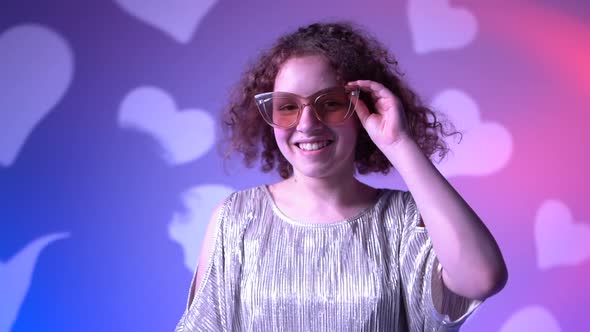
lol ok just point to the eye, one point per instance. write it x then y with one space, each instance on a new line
332 105
287 108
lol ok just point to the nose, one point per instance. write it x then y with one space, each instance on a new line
308 121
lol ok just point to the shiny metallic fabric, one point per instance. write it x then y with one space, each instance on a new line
376 271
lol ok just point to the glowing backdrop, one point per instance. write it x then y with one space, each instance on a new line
109 167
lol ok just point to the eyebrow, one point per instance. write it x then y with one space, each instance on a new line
313 94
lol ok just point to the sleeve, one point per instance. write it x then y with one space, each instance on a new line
429 304
206 308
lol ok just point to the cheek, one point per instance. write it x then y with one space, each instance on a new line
279 134
351 131
282 138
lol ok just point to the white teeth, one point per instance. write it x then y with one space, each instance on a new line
312 146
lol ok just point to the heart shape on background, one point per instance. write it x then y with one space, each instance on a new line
177 18
560 240
486 147
531 318
16 275
188 228
434 25
183 135
36 66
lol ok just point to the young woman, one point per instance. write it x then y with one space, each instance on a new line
320 250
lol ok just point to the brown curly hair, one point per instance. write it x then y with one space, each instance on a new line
354 55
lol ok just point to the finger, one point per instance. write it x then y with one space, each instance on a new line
376 89
362 111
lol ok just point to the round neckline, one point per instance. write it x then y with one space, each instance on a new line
357 216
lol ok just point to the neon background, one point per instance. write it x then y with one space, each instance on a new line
95 210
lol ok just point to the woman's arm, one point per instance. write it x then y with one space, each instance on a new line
473 265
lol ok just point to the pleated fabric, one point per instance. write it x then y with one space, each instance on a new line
375 271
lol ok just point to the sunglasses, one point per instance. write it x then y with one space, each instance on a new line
283 110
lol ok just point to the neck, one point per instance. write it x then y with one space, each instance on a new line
322 200
335 191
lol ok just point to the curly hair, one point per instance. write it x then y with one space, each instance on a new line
354 55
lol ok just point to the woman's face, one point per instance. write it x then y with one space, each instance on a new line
313 148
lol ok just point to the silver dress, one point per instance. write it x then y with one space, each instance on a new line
376 271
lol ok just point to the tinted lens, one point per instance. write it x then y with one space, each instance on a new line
281 110
333 107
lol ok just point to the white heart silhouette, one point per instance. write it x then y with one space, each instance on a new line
434 25
177 18
486 147
36 66
184 136
15 277
531 318
560 241
188 228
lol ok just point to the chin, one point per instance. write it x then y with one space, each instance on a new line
318 172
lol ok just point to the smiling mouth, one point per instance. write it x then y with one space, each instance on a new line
313 146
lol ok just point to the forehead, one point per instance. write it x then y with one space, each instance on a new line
305 75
